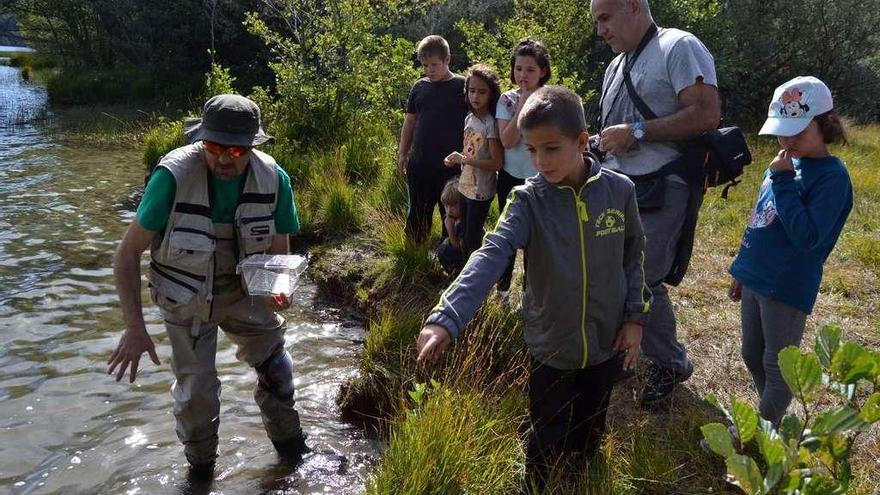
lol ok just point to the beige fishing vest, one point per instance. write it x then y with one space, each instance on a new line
193 261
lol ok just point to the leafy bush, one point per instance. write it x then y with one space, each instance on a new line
161 139
219 81
809 456
332 65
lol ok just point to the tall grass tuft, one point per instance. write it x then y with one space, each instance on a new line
396 328
367 153
338 212
453 442
406 259
161 139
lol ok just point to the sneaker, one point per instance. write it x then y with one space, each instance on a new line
661 383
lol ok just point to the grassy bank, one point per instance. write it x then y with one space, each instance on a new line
431 449
457 427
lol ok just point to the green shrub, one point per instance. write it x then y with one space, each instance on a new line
161 139
810 455
219 81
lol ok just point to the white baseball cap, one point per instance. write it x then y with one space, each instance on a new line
794 105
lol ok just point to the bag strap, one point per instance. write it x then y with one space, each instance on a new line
628 62
640 104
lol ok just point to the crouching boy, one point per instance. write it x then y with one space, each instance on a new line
584 299
450 252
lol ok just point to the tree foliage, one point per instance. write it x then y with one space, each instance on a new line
337 68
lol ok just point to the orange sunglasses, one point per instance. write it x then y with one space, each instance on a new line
219 149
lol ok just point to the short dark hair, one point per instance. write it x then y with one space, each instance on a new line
433 46
490 77
557 106
529 47
831 127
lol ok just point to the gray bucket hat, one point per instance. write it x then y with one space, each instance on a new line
232 120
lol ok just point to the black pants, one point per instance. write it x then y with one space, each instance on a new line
506 183
567 410
473 215
425 183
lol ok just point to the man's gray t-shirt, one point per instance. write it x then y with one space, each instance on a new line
672 61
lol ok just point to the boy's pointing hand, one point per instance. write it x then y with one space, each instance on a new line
431 343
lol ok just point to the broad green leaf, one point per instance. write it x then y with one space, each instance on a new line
851 363
773 476
827 342
771 448
802 372
745 473
711 399
417 393
871 410
838 446
746 420
839 420
791 482
790 428
820 485
718 438
809 444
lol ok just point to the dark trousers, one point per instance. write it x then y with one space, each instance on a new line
567 409
473 216
425 183
506 183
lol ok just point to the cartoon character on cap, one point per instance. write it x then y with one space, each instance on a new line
792 106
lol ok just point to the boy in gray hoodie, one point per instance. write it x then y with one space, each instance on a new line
584 298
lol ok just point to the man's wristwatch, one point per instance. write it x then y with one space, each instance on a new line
638 131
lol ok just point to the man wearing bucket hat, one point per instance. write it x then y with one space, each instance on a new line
207 206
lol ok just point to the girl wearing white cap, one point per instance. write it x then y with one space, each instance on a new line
802 206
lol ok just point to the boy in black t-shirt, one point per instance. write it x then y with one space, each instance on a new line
433 128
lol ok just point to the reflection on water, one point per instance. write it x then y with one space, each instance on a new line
67 427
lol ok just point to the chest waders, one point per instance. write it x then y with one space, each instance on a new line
193 281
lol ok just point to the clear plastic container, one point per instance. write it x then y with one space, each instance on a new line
266 274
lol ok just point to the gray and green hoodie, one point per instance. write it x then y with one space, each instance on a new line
584 251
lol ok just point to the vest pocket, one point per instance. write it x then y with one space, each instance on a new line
170 292
256 234
191 250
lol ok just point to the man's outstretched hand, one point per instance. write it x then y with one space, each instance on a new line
131 346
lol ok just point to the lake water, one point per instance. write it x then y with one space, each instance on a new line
68 427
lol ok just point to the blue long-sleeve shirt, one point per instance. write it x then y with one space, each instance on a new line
796 222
